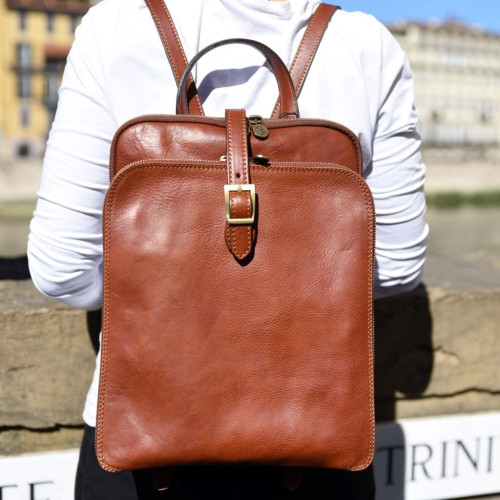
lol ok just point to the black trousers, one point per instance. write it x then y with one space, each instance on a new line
224 482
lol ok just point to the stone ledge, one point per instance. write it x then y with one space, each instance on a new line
46 359
20 440
436 353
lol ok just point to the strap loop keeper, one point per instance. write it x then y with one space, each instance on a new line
239 188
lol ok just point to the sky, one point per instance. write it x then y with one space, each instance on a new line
483 12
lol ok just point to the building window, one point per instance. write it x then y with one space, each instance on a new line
23 20
23 149
53 70
24 85
74 22
24 55
50 22
24 69
25 116
485 112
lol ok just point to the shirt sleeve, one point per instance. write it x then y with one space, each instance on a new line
396 177
65 240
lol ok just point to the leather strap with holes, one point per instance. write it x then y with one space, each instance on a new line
241 206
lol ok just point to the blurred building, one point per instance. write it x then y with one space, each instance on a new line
35 38
456 68
457 79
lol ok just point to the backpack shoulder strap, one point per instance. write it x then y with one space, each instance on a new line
178 61
308 47
174 50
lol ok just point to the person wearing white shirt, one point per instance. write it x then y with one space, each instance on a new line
117 69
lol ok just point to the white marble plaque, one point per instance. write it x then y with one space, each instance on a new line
438 458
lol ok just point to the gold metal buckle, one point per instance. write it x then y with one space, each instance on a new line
239 188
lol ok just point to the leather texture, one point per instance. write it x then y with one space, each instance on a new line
170 137
218 350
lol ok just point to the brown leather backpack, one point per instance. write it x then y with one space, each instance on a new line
238 268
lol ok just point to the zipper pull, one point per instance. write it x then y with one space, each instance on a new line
257 126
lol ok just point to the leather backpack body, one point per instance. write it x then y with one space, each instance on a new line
238 270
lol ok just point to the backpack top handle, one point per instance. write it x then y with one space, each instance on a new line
287 98
178 60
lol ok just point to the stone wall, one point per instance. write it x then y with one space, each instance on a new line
436 353
46 363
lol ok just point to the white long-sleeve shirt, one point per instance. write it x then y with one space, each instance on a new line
117 69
